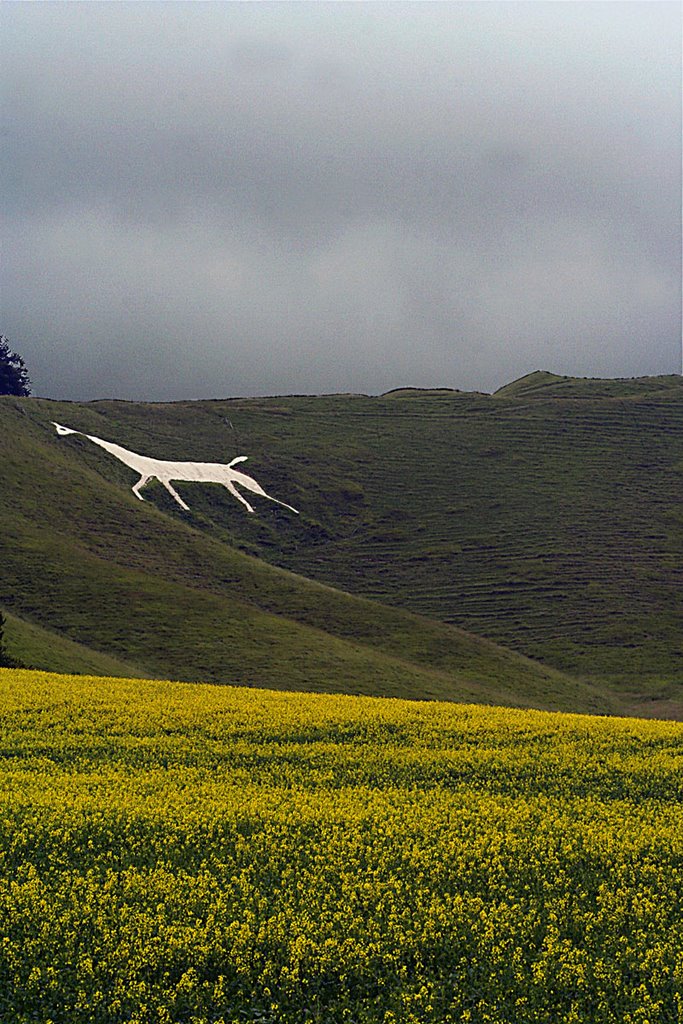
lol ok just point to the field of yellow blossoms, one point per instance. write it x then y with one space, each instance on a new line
186 853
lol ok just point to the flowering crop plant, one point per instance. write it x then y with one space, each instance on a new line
176 852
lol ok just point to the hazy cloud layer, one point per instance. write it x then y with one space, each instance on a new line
219 199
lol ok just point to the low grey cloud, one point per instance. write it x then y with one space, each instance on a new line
219 199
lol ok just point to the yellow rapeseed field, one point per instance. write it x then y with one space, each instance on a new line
186 853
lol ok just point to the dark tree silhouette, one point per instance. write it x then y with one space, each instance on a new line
14 379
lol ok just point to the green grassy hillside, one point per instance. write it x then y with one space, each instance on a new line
551 522
39 648
542 384
84 559
546 518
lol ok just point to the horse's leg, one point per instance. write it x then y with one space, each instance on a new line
284 504
141 483
236 494
171 490
251 484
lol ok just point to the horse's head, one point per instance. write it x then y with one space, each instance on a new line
62 431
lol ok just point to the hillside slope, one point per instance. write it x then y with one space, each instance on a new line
29 644
546 517
550 520
541 384
83 558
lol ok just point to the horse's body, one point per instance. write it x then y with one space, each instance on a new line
164 471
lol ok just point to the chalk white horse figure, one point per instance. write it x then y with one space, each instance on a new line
164 472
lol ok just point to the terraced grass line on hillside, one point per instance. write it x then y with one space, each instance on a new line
177 852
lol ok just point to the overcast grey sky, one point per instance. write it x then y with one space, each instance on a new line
203 200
